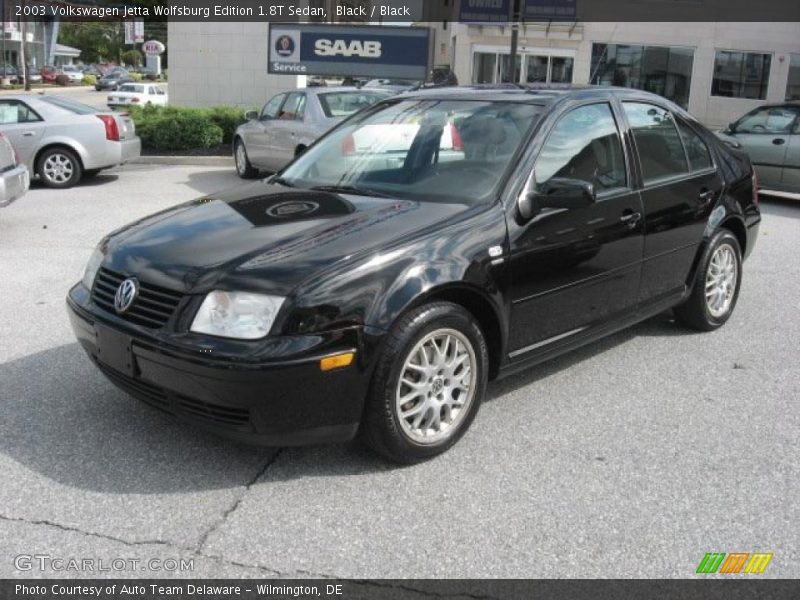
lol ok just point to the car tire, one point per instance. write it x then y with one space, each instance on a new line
428 384
59 168
716 285
243 167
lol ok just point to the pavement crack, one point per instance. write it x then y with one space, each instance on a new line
94 534
235 505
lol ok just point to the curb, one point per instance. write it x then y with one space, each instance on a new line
198 161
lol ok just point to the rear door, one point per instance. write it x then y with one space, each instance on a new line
764 135
23 126
680 185
790 176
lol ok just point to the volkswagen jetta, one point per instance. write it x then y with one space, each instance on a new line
378 282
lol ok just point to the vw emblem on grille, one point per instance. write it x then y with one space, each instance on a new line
126 294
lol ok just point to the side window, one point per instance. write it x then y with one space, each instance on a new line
293 107
271 108
769 120
696 149
584 145
660 149
14 111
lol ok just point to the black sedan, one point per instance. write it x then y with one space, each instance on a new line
112 81
434 241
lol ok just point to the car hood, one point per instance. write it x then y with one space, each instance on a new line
264 237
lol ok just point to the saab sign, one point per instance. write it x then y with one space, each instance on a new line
364 51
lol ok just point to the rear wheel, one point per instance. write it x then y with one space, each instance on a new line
716 285
428 384
59 168
243 167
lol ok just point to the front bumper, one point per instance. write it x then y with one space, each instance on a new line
13 184
286 400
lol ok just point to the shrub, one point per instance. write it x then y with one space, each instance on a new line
136 76
159 126
132 57
171 128
62 80
89 80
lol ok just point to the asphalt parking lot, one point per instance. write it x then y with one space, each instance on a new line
632 457
84 94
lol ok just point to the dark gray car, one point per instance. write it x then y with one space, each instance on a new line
771 137
290 122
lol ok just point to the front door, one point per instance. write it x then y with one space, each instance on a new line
288 128
790 178
258 139
573 268
23 126
764 134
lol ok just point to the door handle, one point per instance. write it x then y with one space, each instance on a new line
631 219
707 195
779 141
28 134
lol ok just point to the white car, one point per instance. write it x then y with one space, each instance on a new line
74 73
138 94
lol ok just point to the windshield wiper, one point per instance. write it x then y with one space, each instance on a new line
348 189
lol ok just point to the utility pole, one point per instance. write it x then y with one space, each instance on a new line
23 29
511 70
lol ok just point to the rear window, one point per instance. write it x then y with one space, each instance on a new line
138 89
344 104
69 105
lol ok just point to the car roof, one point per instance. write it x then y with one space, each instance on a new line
338 88
535 93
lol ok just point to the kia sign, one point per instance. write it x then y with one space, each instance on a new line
484 11
362 51
153 48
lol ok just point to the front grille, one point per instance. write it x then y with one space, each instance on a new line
153 306
227 417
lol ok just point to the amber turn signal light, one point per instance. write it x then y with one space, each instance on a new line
329 363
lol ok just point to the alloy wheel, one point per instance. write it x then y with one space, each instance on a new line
58 168
721 278
241 158
436 386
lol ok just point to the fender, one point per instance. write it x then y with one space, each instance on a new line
71 143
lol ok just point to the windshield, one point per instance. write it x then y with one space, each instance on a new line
428 150
344 104
70 105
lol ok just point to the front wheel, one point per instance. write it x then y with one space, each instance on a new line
59 168
716 285
428 384
243 167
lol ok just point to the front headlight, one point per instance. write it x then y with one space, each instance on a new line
239 315
92 267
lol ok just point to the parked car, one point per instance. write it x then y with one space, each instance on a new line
64 141
92 70
394 85
9 71
290 122
34 76
770 135
48 74
113 79
14 178
74 73
343 295
139 94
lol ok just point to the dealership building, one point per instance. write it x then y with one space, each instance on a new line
718 71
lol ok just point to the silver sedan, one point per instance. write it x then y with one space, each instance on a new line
63 141
290 122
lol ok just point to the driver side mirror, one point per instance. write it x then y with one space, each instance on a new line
731 128
251 115
558 192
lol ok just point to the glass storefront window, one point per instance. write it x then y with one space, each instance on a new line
505 59
537 69
662 70
483 67
741 74
793 85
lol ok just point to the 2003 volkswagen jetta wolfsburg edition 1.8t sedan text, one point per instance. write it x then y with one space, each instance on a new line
429 243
